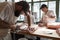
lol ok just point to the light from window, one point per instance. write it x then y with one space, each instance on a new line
28 0
59 9
52 6
36 0
43 0
39 0
17 0
43 3
36 10
30 6
2 0
9 0
20 18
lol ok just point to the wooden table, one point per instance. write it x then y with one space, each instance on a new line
47 33
43 32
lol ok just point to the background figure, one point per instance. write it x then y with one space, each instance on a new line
48 16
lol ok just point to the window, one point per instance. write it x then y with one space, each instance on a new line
9 0
21 18
28 0
36 10
36 0
39 0
2 0
36 5
43 0
59 10
18 0
30 6
52 6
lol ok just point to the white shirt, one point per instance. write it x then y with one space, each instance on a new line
7 15
46 17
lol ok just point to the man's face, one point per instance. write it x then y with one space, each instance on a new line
44 9
18 10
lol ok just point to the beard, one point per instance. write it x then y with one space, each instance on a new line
17 13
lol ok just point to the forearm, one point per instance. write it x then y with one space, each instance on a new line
4 24
53 27
28 21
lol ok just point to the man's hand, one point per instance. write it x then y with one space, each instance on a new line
12 27
40 24
52 16
15 27
31 30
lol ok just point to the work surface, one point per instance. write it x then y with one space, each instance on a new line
42 32
47 33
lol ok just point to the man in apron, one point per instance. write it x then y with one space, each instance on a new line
9 12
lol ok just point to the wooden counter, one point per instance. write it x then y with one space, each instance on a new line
42 32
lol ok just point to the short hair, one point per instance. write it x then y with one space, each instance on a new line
43 5
24 4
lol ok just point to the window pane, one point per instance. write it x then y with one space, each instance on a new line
52 6
28 0
17 0
36 0
9 0
36 10
43 3
59 10
20 18
30 6
44 0
39 0
2 0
